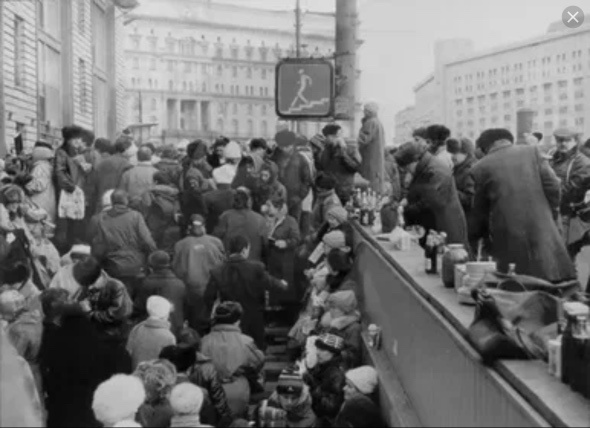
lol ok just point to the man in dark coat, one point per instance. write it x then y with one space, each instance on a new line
432 200
371 143
110 171
123 241
164 283
340 161
243 281
572 168
516 203
220 200
170 166
294 172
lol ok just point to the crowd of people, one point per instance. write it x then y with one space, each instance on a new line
136 281
523 204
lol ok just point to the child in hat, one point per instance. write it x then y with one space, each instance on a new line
186 401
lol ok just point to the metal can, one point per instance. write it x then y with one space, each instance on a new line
374 336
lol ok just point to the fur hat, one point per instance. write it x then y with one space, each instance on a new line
488 137
335 239
408 153
158 307
197 149
159 260
285 138
438 133
364 378
232 151
330 342
186 399
344 301
337 213
228 313
290 383
118 399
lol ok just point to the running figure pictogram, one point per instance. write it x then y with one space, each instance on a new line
304 82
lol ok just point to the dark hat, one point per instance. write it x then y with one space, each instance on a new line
290 382
285 138
197 149
330 342
438 133
197 220
17 273
169 152
325 181
408 153
44 144
228 313
159 260
87 271
490 136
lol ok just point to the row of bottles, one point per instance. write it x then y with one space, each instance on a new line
365 206
434 250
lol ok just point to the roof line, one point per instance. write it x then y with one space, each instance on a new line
423 82
518 45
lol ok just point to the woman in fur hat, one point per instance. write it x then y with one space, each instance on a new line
117 400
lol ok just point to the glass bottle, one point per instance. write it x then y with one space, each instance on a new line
512 269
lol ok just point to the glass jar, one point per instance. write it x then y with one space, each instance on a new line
455 255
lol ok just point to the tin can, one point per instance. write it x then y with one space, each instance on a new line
374 336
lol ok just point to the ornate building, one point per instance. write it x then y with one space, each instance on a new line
198 68
61 63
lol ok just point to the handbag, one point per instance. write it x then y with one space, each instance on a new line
509 330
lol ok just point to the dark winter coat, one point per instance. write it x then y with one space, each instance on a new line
204 374
295 174
160 207
217 202
245 282
281 262
433 202
573 169
123 241
74 361
359 412
108 176
371 143
516 203
326 384
195 185
172 170
68 172
165 284
464 183
138 180
247 223
342 164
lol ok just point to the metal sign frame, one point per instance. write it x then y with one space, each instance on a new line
305 61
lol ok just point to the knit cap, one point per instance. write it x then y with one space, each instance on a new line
159 260
186 399
364 379
343 300
290 383
337 213
330 342
117 398
224 174
232 151
335 239
158 307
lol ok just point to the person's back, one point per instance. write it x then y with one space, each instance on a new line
138 179
509 178
248 223
108 175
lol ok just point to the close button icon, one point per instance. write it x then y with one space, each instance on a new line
572 17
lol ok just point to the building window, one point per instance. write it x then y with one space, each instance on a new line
220 125
264 128
187 67
234 71
249 73
50 84
204 70
250 110
235 126
150 83
579 94
153 44
50 17
562 84
548 111
579 121
237 89
263 74
204 87
235 108
579 107
191 87
506 94
136 63
219 52
19 51
81 16
520 103
99 38
171 85
231 90
154 104
234 53
563 122
507 118
250 128
548 124
184 86
153 64
170 45
563 110
170 65
266 92
264 110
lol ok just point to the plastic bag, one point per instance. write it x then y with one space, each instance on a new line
400 239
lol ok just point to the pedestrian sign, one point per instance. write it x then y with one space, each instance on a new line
304 88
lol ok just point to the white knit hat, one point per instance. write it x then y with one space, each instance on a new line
364 379
158 307
232 151
224 174
186 399
118 399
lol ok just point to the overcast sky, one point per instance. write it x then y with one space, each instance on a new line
400 34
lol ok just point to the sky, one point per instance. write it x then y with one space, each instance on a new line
399 37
